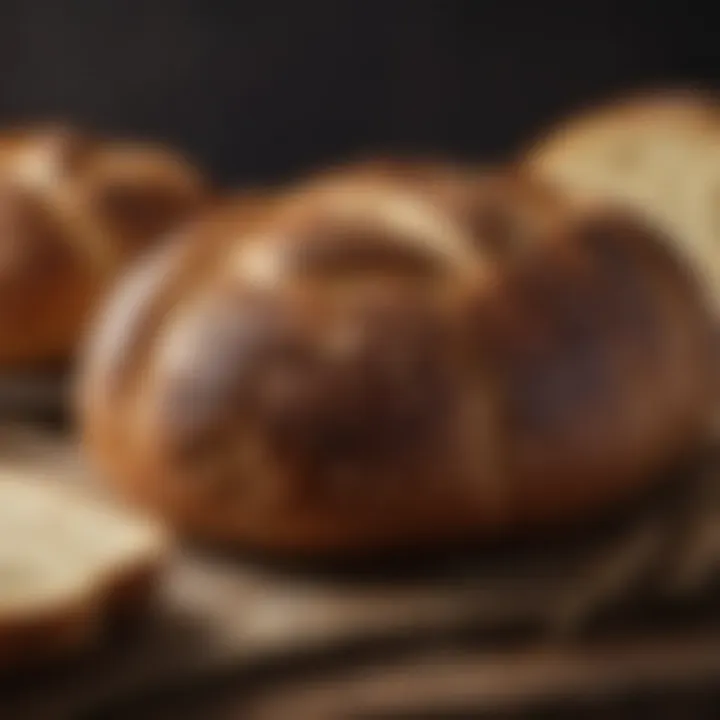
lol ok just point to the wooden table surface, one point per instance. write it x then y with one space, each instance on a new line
234 637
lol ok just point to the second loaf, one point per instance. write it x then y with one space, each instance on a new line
74 210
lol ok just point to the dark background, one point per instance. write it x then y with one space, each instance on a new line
259 90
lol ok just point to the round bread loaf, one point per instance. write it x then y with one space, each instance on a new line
73 211
658 153
381 359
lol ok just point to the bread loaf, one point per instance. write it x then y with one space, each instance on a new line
66 566
657 153
73 211
381 359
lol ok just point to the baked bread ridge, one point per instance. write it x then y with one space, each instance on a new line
74 209
657 152
68 564
369 366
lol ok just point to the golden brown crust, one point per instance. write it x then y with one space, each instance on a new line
377 361
73 211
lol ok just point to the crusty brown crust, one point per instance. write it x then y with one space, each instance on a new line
73 211
387 359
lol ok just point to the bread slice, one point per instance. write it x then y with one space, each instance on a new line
67 564
658 153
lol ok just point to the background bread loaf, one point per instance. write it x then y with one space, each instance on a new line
73 211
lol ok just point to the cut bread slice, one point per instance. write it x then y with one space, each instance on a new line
67 565
659 154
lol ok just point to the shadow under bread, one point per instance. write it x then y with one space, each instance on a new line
494 557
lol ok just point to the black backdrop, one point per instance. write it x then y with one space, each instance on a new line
257 90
